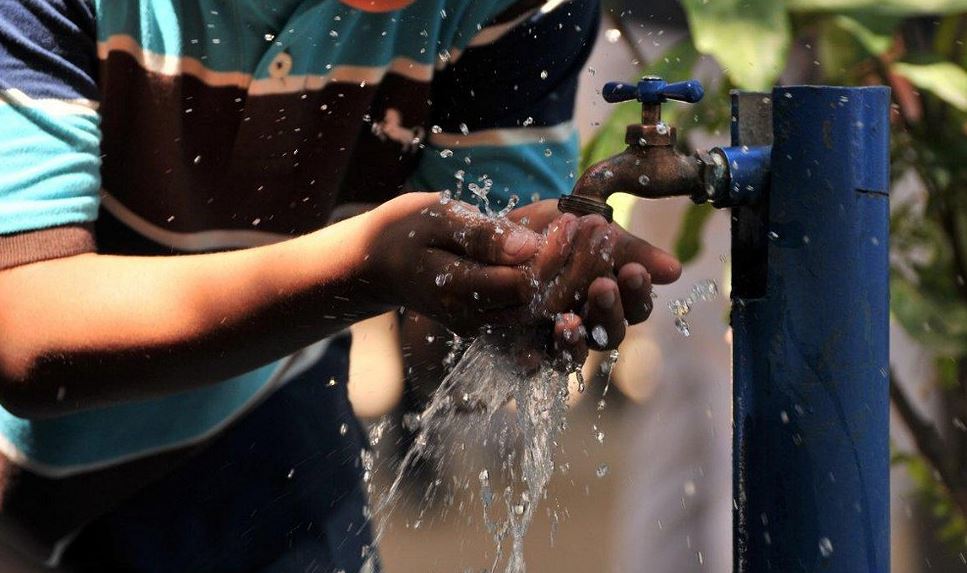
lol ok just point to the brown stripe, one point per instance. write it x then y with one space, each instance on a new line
44 244
273 163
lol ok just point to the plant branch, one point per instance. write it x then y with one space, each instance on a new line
629 39
929 443
954 235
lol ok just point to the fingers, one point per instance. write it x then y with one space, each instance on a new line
557 248
458 286
662 266
537 216
605 318
570 339
634 283
465 231
591 257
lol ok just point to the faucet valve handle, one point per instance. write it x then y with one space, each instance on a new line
653 90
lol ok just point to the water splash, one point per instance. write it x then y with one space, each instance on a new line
702 291
468 407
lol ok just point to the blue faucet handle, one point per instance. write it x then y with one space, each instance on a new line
615 92
653 90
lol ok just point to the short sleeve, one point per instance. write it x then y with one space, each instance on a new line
49 130
503 110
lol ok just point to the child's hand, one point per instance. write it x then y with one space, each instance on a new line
595 276
450 262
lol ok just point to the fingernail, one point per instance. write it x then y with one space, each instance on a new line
517 241
606 300
636 281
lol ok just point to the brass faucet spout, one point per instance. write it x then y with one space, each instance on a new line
649 172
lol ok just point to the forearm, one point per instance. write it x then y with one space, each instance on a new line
92 330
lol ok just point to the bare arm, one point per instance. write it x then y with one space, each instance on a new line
96 329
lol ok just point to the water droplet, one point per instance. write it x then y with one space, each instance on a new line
773 235
446 153
600 335
343 429
484 475
825 547
548 152
543 74
528 121
331 382
613 35
644 180
291 473
788 95
662 128
682 327
602 470
269 37
333 33
197 159
689 488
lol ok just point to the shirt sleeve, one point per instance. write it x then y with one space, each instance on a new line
49 130
503 109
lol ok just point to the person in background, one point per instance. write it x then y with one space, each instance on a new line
174 291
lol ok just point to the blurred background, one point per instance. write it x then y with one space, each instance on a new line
644 480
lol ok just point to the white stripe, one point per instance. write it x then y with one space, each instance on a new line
491 34
166 65
57 552
201 241
52 106
288 368
551 5
560 133
177 65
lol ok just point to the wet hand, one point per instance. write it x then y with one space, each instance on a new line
446 260
596 277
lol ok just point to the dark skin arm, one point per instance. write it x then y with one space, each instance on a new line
97 329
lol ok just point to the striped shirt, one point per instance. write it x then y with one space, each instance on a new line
179 126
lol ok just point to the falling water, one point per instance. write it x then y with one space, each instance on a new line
680 307
469 407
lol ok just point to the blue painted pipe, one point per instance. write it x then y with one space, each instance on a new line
811 352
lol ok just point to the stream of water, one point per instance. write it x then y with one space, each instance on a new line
470 408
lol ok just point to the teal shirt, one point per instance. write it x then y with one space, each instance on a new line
206 125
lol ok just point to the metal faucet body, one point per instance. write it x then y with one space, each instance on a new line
651 167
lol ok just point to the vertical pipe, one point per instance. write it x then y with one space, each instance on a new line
811 348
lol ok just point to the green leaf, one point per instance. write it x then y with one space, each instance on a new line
946 80
939 323
689 242
901 7
873 32
749 38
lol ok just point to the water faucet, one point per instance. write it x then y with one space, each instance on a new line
651 167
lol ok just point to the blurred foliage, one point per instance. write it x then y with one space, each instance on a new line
917 47
950 523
